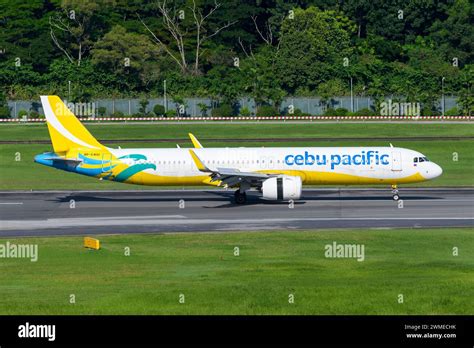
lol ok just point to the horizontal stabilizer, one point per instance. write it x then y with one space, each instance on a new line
75 161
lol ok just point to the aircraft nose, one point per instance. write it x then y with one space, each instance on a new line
438 170
434 171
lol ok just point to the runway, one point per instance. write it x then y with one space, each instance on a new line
159 211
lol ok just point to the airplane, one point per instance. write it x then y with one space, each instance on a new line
278 173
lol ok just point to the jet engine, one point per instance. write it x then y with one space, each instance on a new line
282 188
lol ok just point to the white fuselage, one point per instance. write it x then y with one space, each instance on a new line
315 165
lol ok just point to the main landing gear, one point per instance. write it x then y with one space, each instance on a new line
395 195
240 197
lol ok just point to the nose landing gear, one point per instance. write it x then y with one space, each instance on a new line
395 195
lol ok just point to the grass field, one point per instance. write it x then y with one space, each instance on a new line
246 130
419 264
25 174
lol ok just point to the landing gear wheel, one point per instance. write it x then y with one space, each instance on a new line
240 197
395 195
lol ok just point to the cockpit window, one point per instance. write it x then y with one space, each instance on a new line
420 159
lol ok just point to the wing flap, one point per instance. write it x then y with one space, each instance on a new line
236 172
227 176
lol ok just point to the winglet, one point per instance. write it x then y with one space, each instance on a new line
201 166
196 142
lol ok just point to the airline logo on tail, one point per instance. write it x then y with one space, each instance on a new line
66 131
76 150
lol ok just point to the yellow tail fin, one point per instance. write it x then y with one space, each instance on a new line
65 130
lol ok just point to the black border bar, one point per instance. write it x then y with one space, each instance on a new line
137 330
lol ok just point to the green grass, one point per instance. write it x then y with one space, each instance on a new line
26 175
417 263
247 130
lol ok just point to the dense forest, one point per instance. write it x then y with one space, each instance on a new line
265 49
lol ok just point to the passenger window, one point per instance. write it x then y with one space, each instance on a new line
415 160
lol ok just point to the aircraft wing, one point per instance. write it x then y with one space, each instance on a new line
229 176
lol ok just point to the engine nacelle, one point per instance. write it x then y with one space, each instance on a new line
282 188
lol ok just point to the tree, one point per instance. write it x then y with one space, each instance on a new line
143 105
101 111
259 69
330 89
399 49
172 20
180 104
71 28
261 78
24 33
225 84
203 109
129 55
455 35
86 81
18 81
159 110
312 46
466 98
4 109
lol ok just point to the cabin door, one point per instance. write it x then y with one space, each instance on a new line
396 161
107 163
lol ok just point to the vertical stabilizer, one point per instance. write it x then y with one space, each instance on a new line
65 130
